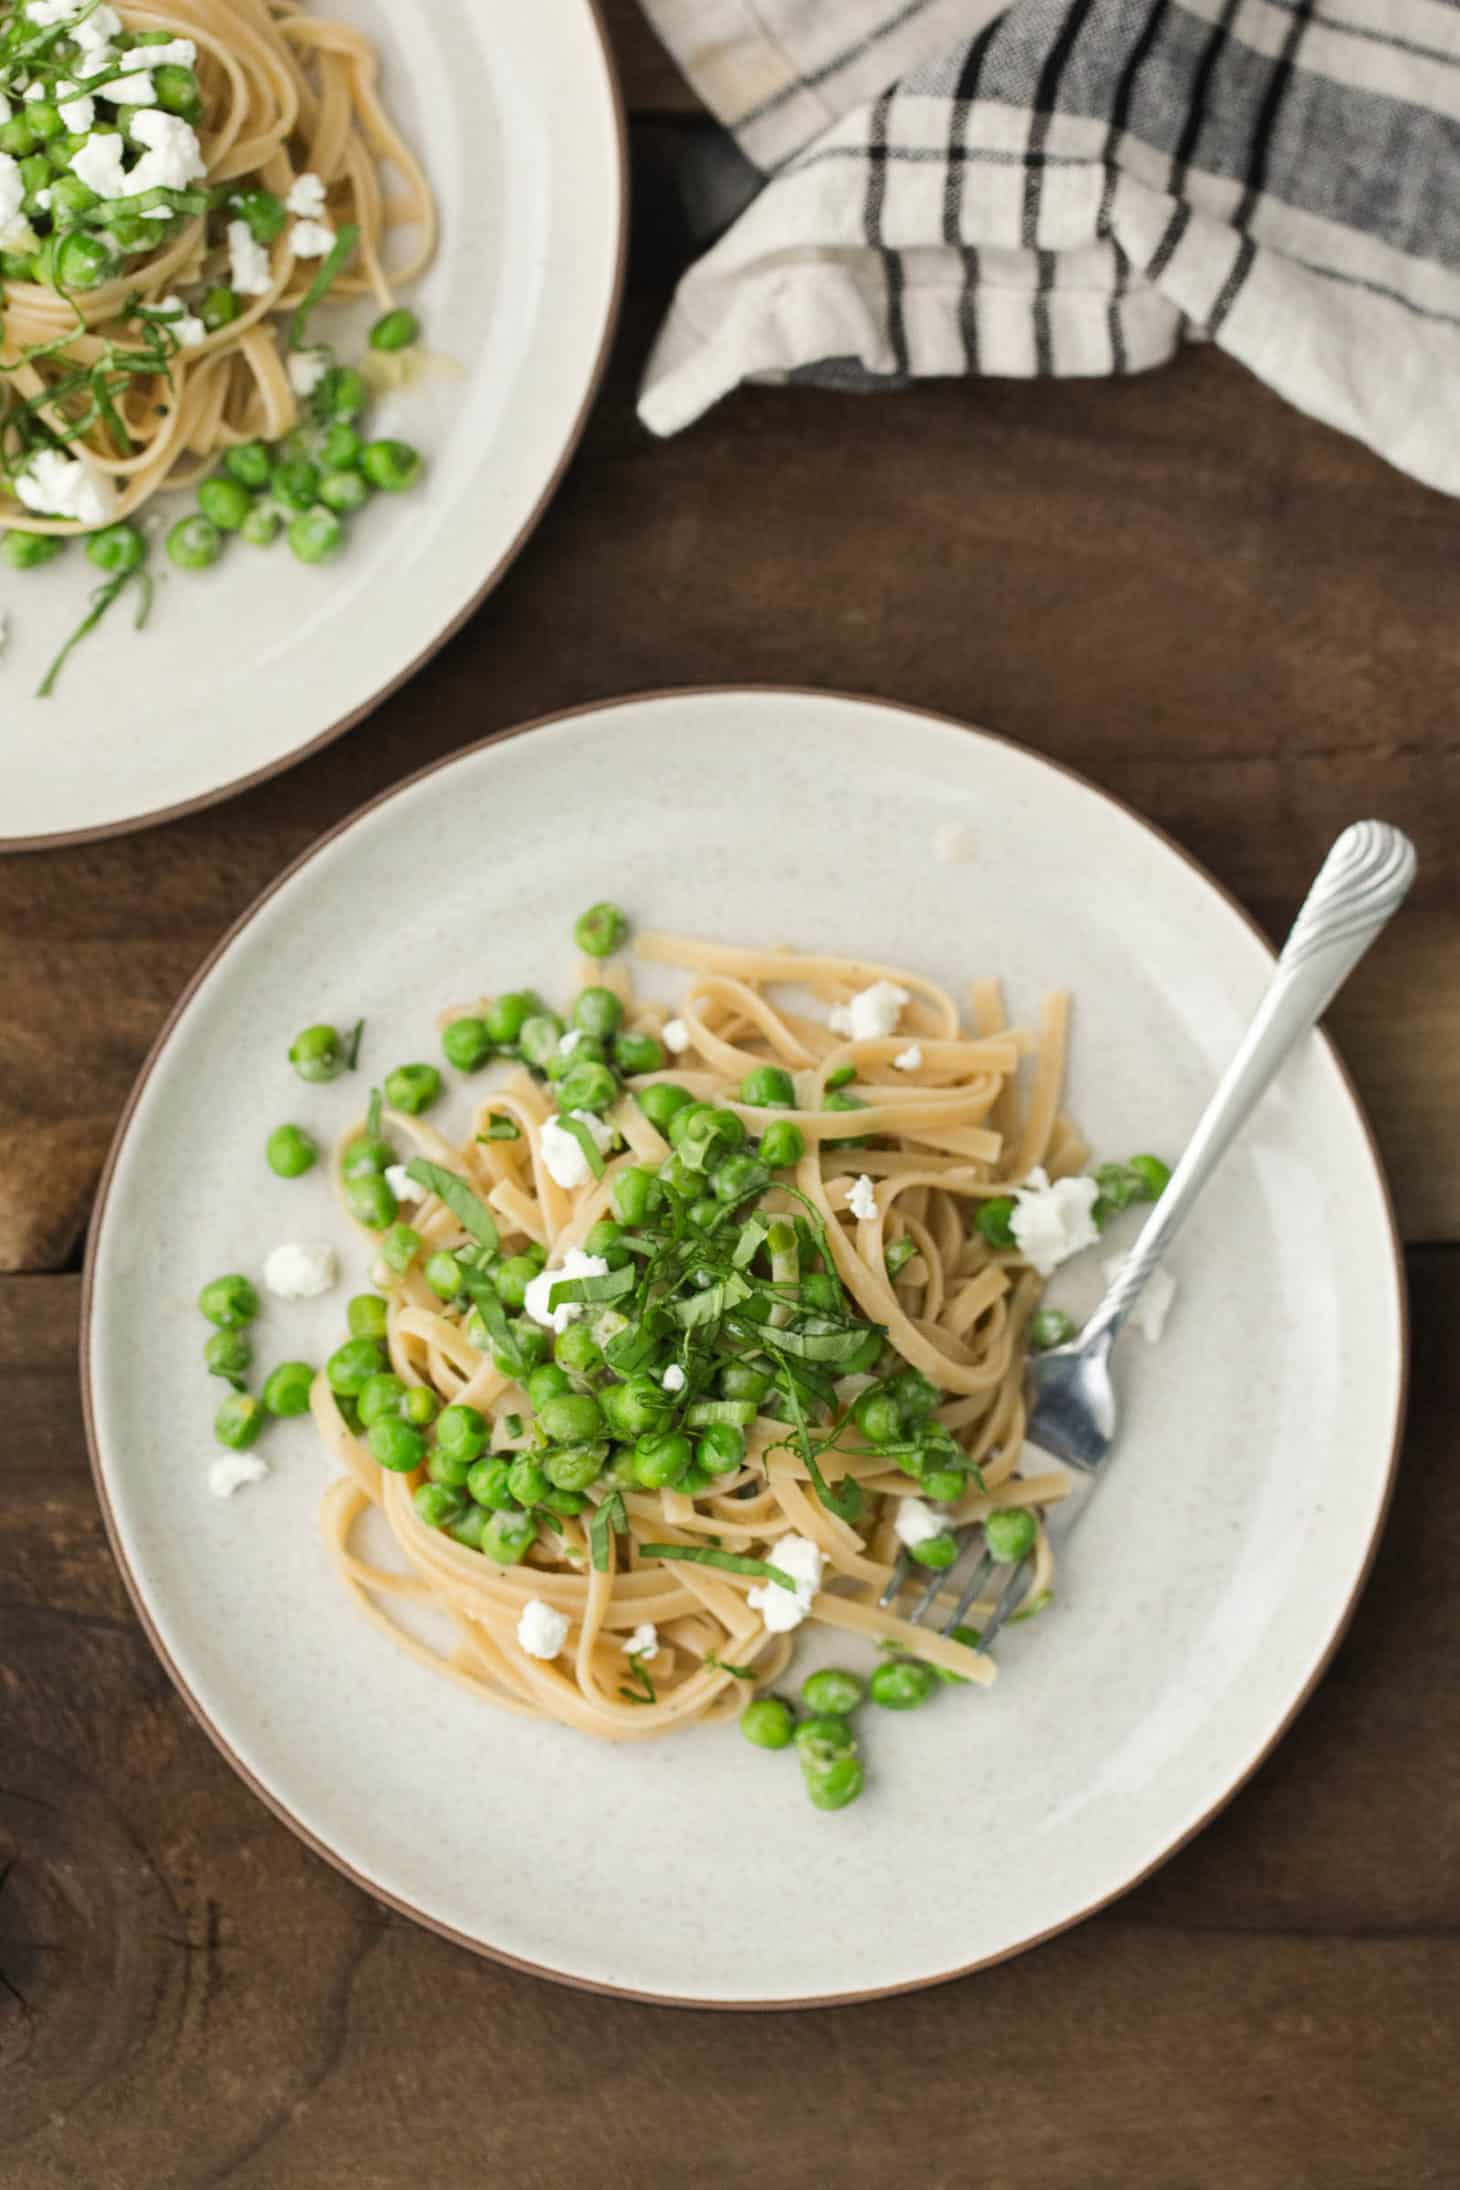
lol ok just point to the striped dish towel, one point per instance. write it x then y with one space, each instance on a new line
1076 187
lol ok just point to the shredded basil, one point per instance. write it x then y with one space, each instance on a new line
609 1519
733 1562
468 1209
501 1128
340 252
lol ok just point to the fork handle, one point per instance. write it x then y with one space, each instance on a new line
1359 887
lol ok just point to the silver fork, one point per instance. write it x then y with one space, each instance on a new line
1358 889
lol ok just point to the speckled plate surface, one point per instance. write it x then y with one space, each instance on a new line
1203 1593
514 111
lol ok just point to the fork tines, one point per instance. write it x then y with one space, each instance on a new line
1012 1588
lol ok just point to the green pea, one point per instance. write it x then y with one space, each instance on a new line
705 1213
601 931
507 1015
571 1418
587 1087
821 1740
944 1484
371 1203
261 526
720 1448
508 1537
315 535
677 1178
899 1254
365 1316
238 1422
574 1467
902 1684
395 330
17 137
577 1349
1153 1174
343 491
230 1302
219 308
634 1193
598 1012
287 1388
782 1144
661 1457
44 117
250 464
462 1431
538 1038
575 1049
366 1157
116 548
533 1343
723 1131
395 1444
341 394
917 1398
443 1274
62 150
341 448
381 1394
228 1354
739 1380
838 1785
264 213
318 1054
1050 1327
69 194
564 1501
638 1053
194 543
548 1382
768 1722
637 1407
831 1691
769 1087
1010 1532
662 1101
446 1467
487 1481
412 1088
439 1504
527 1481
738 1177
350 1367
391 465
420 1406
224 502
29 550
466 1044
994 1220
469 1529
295 483
878 1417
290 1152
400 1243
603 1239
937 1554
513 1277
840 1101
130 233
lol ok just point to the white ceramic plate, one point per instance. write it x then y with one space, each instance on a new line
515 113
1209 1582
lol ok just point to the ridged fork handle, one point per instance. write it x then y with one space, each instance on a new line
1359 887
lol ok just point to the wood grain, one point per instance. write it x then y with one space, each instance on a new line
206 2003
651 82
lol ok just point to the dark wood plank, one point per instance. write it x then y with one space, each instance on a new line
207 2003
651 82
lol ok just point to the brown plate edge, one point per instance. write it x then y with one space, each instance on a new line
447 1931
57 839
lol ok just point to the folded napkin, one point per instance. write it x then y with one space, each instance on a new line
1078 186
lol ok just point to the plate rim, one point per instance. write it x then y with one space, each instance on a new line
157 816
397 1901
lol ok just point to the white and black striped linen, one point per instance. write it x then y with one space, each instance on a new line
1076 187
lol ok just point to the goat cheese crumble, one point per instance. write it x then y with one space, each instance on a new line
862 1198
575 1264
783 1609
915 1523
1151 1310
643 1643
567 1164
1053 1221
248 262
909 1059
542 1629
676 1036
872 1013
231 1470
296 1271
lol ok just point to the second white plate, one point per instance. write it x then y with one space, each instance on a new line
515 114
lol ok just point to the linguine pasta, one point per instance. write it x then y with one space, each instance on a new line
100 371
947 1120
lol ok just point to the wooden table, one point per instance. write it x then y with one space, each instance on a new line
1229 616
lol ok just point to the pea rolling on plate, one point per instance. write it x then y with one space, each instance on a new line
243 668
1212 1577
